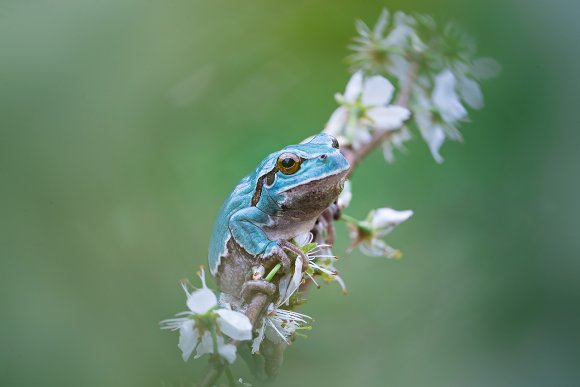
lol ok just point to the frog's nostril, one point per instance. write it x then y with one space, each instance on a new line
323 156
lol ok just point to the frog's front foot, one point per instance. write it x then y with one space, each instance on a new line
275 252
260 285
278 251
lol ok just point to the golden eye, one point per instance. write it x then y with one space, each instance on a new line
288 163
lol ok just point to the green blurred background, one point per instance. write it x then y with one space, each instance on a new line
124 124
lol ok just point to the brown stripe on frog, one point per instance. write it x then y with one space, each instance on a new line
268 178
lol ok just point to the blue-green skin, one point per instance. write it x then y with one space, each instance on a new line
252 222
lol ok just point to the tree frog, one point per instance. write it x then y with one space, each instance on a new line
280 200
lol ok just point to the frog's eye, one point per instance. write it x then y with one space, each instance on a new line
288 163
335 143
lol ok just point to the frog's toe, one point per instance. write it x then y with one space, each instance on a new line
285 261
253 286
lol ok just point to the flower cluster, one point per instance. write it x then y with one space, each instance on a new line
435 69
365 109
201 329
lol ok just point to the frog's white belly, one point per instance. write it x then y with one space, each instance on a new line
286 228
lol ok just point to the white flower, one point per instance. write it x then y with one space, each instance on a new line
366 234
445 98
279 326
365 108
196 325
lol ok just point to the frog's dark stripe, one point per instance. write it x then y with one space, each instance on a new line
269 179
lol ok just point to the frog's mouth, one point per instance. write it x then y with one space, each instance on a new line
315 194
328 180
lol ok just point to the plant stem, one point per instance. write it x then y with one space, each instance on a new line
348 218
231 380
214 339
212 373
273 272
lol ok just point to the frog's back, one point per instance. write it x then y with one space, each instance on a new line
239 198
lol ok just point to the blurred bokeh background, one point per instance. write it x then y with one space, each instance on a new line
125 123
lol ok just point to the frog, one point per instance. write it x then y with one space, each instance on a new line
282 198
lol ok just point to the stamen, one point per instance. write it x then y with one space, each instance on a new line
313 280
201 275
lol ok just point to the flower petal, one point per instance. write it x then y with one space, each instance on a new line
445 98
433 134
337 121
377 248
360 136
228 352
303 239
354 87
205 345
201 301
234 324
388 152
188 337
345 196
377 91
470 92
435 137
388 118
260 337
402 30
370 250
399 68
295 281
382 23
485 68
385 217
396 141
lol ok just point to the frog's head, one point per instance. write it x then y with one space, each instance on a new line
306 177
